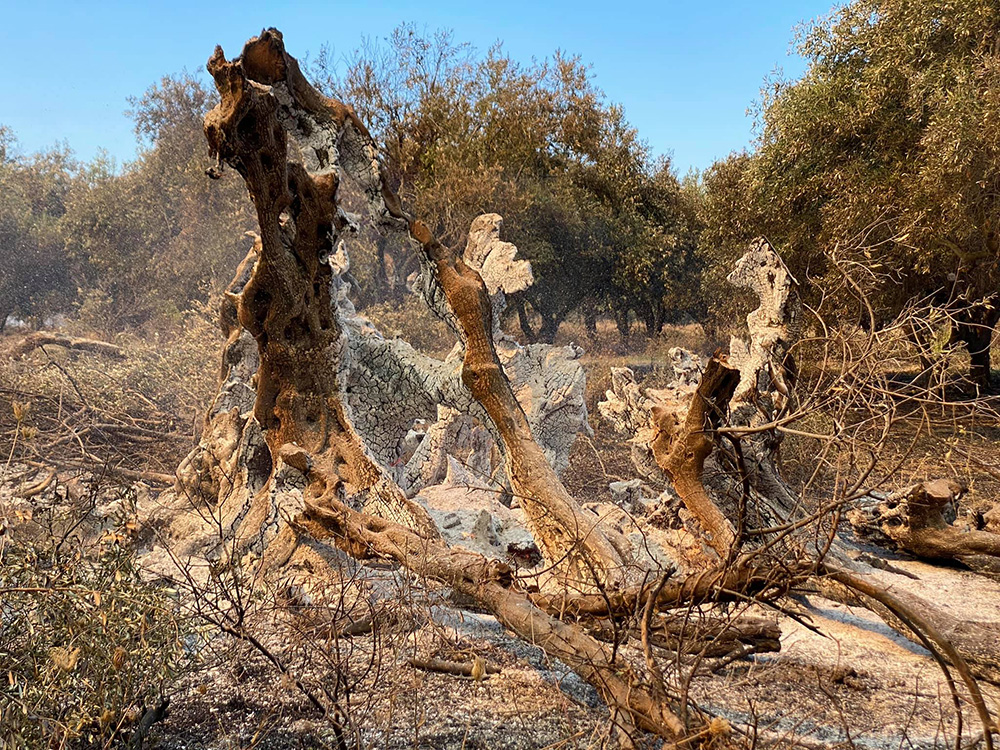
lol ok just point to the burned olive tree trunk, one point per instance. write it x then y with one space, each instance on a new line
289 144
295 453
921 520
283 460
285 304
718 448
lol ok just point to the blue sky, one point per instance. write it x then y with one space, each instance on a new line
684 71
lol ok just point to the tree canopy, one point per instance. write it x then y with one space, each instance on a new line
886 151
604 225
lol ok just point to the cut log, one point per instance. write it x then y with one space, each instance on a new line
457 668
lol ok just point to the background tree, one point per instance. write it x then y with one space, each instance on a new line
34 277
463 134
151 238
606 227
886 150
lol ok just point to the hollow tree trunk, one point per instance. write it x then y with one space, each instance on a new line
287 142
286 303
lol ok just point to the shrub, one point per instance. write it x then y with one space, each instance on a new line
86 646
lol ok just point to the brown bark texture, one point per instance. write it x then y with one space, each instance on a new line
289 144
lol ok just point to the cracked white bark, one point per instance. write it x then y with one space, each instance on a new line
765 390
389 386
765 370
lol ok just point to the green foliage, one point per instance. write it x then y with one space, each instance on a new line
125 244
34 279
157 236
465 134
86 645
605 226
887 152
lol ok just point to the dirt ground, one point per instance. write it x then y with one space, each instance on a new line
841 679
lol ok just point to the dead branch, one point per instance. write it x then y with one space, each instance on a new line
680 449
39 487
490 584
35 340
457 668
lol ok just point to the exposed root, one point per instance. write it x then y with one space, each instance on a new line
920 520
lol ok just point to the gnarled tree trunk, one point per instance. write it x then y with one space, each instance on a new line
284 457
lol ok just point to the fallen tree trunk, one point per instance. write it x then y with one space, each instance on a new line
42 338
490 584
920 520
692 633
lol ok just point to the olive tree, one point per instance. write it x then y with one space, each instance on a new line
887 151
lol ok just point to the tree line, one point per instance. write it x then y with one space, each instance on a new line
884 154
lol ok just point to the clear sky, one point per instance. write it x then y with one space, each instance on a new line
685 72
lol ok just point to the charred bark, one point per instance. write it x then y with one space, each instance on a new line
285 461
973 326
761 392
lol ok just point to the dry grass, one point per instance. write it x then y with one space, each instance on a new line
167 377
